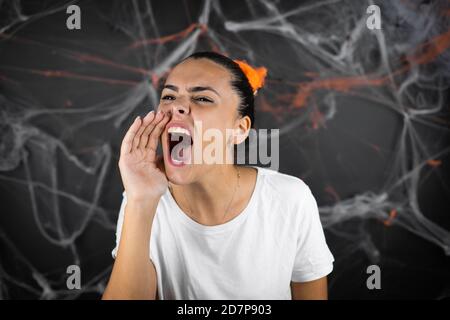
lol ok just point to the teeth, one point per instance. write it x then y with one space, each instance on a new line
178 130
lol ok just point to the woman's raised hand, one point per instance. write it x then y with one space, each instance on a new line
141 170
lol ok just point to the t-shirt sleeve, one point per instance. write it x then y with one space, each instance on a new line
313 259
119 224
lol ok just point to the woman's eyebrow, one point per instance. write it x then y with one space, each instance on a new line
192 89
199 88
171 87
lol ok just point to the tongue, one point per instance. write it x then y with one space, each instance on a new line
180 148
182 154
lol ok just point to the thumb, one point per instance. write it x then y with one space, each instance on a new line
160 163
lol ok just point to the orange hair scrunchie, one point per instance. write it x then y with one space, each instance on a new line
255 76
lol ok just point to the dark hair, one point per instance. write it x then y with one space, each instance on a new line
239 81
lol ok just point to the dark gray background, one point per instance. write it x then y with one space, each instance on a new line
375 111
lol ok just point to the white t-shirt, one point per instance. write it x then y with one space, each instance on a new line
276 239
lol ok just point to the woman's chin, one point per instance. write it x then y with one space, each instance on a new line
178 172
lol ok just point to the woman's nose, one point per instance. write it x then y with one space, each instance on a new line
176 108
180 108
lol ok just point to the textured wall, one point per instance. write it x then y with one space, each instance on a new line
363 118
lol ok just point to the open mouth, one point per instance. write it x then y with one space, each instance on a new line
180 145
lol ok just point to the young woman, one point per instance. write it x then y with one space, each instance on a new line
211 230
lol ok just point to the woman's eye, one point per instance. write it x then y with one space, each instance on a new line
203 99
167 97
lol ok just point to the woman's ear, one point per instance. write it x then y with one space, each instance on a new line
242 130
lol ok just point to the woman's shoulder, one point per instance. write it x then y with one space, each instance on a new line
285 186
281 180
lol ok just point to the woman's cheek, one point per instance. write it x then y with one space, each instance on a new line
159 107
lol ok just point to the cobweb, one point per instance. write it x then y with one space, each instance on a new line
321 58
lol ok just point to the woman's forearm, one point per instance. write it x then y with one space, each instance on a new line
133 275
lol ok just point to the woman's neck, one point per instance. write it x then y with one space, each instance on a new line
214 198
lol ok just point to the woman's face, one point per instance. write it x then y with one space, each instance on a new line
202 105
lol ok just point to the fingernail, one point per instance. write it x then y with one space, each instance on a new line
138 117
